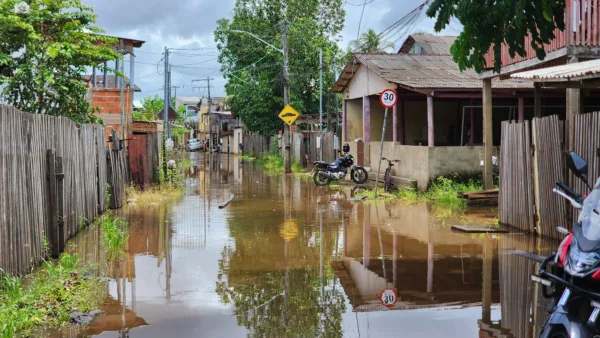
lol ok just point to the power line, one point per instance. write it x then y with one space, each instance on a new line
360 21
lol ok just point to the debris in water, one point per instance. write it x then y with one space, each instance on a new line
231 197
80 318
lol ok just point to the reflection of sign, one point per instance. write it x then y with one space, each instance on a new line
289 230
388 298
289 115
388 98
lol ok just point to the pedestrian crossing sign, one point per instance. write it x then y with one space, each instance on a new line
289 115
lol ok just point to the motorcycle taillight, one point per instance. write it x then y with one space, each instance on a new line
596 276
563 249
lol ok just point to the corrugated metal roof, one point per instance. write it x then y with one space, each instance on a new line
430 44
420 72
573 71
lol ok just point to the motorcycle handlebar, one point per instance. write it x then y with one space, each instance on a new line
577 197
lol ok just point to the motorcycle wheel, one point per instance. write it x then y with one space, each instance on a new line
360 176
320 180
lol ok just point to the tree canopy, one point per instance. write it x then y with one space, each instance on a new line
254 70
45 48
370 42
489 24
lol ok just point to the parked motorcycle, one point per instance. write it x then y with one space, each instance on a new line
571 277
325 172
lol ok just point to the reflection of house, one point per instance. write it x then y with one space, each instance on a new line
218 127
435 268
436 127
105 90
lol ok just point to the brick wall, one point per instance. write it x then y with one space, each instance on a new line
108 103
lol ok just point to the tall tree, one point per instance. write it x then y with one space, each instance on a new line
45 48
371 42
493 23
254 70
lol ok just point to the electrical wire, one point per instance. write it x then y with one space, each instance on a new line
360 21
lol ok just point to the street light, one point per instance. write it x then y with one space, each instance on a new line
287 156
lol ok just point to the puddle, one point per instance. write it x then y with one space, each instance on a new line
288 259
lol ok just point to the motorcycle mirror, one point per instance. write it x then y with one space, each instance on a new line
578 166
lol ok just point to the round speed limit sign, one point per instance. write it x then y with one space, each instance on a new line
388 298
388 98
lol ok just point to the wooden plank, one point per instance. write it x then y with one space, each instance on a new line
478 229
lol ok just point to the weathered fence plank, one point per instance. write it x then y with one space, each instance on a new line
34 202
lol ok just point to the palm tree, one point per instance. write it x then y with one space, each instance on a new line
371 42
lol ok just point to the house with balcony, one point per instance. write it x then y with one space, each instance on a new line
436 129
579 42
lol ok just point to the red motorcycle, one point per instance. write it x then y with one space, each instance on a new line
571 277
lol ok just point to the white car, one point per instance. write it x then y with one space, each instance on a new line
193 145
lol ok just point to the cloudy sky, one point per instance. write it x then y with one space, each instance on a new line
189 24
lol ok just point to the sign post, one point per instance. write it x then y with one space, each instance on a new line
388 298
289 115
388 99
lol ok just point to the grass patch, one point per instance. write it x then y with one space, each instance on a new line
442 193
155 195
115 233
44 299
248 157
273 164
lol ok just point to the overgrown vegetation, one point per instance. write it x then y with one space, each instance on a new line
443 192
45 298
248 157
274 164
115 233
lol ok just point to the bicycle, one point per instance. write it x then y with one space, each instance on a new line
387 180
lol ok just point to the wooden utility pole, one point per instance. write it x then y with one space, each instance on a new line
487 134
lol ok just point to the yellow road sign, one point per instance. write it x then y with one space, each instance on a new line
289 115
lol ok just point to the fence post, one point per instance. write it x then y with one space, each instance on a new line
60 175
53 236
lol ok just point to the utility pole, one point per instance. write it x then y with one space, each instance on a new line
321 103
210 138
121 86
166 112
175 89
287 154
337 108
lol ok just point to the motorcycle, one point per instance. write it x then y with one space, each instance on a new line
325 172
571 277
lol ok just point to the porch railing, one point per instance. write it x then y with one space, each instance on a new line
582 28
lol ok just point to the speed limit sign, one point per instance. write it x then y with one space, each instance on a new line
388 98
388 298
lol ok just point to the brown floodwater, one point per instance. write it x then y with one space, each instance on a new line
288 259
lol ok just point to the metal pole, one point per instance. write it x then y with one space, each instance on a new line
381 149
286 99
321 103
121 86
337 107
132 78
165 114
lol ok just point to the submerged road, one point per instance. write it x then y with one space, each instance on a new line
288 259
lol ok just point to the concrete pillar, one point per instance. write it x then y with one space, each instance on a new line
521 109
395 260
94 77
344 119
472 128
430 122
104 75
366 119
487 134
574 108
131 80
395 123
402 136
537 101
117 78
488 255
367 236
430 254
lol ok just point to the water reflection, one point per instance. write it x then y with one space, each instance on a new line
288 259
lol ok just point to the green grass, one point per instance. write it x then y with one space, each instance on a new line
43 299
442 193
115 233
273 164
248 157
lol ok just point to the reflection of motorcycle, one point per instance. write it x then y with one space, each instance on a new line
572 276
325 172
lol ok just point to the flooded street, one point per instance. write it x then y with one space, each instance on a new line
288 259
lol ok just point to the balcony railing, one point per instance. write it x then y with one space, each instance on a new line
582 28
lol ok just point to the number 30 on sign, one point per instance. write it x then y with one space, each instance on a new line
388 98
388 298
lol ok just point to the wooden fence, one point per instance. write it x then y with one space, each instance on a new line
52 178
515 201
529 171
